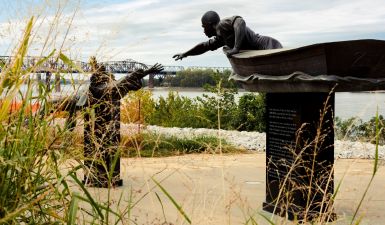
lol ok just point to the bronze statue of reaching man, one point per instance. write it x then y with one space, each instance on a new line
230 33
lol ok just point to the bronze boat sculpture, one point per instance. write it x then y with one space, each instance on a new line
357 65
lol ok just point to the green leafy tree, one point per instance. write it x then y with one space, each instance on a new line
356 130
368 129
348 129
175 111
196 78
251 113
219 111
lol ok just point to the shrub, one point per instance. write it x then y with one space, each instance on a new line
175 111
251 113
347 128
219 111
137 106
368 130
222 107
355 129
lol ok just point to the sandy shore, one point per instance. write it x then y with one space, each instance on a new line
228 189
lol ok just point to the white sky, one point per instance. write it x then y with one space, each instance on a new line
153 31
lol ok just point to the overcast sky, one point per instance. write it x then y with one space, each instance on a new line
153 31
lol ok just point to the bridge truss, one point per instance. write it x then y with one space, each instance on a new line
124 66
53 65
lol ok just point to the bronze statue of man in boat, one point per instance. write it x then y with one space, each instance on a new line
230 33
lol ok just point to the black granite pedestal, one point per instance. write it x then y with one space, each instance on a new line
299 155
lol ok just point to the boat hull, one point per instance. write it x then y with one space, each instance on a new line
357 65
359 58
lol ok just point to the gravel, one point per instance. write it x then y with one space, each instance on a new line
256 141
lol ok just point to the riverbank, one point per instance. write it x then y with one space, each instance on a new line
363 105
255 141
252 141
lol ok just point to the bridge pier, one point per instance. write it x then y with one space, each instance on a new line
48 80
151 80
53 66
57 82
38 77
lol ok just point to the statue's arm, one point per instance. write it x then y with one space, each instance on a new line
239 32
132 81
200 48
196 50
239 26
67 103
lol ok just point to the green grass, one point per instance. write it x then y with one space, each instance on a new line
154 145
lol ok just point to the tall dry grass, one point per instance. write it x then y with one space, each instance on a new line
39 186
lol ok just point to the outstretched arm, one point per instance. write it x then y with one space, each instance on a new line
154 69
132 81
239 26
201 48
197 50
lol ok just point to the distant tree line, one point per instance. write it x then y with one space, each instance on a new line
196 78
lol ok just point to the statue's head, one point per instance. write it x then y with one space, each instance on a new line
209 22
99 72
93 64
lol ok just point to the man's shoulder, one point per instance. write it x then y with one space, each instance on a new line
228 20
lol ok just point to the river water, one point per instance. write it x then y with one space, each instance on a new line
347 104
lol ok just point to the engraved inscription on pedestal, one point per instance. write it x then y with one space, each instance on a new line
281 130
296 165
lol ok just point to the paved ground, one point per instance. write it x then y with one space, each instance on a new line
230 190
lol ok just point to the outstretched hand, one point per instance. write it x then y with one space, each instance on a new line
155 69
179 56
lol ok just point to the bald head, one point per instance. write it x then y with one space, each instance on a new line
210 17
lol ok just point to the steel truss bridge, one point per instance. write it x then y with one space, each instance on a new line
125 66
53 65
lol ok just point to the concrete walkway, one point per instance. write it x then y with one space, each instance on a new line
229 189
